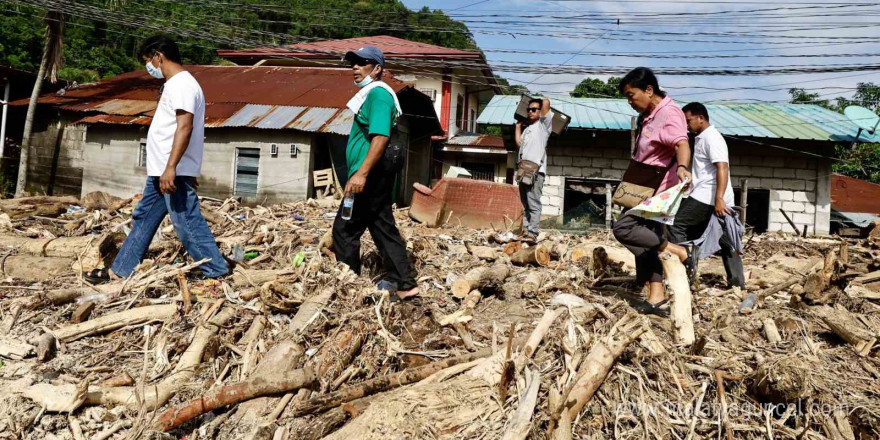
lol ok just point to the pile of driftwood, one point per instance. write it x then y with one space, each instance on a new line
508 340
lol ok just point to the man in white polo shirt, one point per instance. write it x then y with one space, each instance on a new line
175 143
711 194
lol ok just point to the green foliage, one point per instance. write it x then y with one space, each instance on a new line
516 89
866 95
861 162
595 88
95 49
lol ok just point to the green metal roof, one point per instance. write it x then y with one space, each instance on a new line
785 121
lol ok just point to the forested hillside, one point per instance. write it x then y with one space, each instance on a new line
101 37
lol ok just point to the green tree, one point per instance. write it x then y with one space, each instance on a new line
104 42
860 162
595 88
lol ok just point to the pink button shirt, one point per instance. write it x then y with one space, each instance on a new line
661 131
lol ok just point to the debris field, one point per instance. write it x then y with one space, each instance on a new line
507 340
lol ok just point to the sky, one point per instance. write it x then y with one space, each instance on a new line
772 33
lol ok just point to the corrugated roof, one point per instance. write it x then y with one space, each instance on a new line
392 47
789 121
477 140
307 99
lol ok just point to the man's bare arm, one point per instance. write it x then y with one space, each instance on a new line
723 169
545 106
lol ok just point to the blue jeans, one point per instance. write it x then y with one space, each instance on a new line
190 226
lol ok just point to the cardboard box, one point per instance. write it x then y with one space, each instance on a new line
560 120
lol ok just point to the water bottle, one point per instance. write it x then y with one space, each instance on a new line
347 207
237 253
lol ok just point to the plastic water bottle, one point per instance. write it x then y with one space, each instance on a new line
347 207
237 253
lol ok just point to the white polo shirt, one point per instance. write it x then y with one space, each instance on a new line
181 92
710 148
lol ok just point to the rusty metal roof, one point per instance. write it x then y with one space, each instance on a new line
305 99
392 47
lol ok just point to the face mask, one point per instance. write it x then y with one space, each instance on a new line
367 80
154 71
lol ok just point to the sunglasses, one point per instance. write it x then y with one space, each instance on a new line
533 109
360 63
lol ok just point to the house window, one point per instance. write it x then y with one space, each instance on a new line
247 172
432 93
480 171
142 154
459 113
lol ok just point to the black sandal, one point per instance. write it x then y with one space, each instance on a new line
647 308
97 276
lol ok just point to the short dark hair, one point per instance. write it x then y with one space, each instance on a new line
536 100
161 43
641 78
697 109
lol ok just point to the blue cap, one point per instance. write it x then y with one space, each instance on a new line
369 53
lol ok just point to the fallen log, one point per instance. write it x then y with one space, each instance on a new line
34 269
157 395
42 206
310 309
868 278
520 422
751 300
541 330
842 323
537 255
483 252
770 331
483 277
232 394
680 311
115 321
256 278
595 368
324 402
532 284
70 247
512 248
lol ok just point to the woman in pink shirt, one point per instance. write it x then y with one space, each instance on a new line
662 142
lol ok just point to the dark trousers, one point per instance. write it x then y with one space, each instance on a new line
372 210
642 237
691 222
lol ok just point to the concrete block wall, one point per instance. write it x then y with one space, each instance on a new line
799 185
68 173
582 162
111 153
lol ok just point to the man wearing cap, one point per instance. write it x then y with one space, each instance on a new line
371 176
531 137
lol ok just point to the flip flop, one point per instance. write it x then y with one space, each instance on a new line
395 298
647 308
97 276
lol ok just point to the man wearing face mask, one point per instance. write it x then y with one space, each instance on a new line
175 142
371 176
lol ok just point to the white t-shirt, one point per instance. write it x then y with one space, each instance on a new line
533 144
709 149
181 92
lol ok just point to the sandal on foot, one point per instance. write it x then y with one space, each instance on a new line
408 295
647 308
97 276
